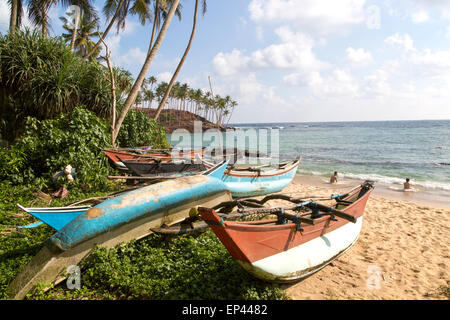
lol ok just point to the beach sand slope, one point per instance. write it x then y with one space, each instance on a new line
402 253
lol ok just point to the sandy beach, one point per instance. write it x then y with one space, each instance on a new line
402 253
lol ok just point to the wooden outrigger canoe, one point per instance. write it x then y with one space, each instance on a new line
161 155
159 168
58 217
129 216
293 246
258 180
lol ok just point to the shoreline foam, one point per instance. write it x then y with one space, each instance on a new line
384 191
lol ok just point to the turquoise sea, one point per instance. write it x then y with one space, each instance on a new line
384 151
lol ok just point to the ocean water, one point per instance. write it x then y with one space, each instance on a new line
384 151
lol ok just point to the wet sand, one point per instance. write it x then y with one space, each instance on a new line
402 252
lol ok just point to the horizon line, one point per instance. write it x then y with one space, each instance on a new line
339 121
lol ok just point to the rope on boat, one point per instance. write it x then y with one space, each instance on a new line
252 208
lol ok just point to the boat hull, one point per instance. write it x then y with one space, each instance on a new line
302 261
154 200
253 183
250 186
148 169
115 156
75 241
289 252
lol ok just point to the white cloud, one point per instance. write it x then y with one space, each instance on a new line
133 57
229 63
420 17
377 83
359 56
164 76
428 63
318 16
259 33
447 32
404 41
294 52
338 83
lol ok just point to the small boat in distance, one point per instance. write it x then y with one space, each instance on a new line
249 181
293 246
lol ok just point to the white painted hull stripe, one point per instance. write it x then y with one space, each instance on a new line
312 253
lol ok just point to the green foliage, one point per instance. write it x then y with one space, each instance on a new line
139 130
184 268
48 146
17 248
41 77
151 268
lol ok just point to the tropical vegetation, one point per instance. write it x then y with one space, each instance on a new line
58 106
215 109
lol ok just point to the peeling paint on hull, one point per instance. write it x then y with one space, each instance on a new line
136 204
51 262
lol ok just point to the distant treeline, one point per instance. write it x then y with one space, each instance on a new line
215 109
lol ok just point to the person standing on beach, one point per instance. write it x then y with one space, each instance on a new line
406 185
333 179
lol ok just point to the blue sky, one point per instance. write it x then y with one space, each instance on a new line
304 60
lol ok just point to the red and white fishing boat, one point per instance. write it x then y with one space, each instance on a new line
293 246
149 155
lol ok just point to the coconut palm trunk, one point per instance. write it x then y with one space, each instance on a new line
163 101
74 32
44 19
148 61
103 36
13 18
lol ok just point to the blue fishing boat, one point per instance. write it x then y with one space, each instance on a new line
154 201
131 215
58 217
258 180
55 217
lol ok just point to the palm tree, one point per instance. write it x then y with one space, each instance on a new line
183 58
198 99
88 28
151 53
148 97
151 80
38 10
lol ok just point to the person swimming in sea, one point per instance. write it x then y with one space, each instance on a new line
333 178
406 185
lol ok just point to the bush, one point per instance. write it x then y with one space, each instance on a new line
139 130
40 77
47 146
